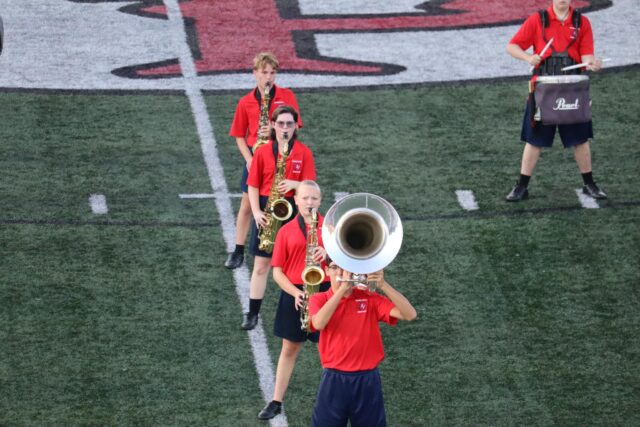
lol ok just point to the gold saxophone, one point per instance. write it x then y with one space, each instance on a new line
312 275
278 209
264 117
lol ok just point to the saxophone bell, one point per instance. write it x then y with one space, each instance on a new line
313 275
281 209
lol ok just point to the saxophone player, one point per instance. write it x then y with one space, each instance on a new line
288 262
262 183
247 126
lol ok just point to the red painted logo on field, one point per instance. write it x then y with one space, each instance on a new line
225 35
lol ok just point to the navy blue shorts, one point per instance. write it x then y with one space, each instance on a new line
543 135
255 241
287 323
349 396
243 181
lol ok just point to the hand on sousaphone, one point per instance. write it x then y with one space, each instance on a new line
369 282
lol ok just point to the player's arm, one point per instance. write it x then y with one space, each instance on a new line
519 53
403 309
593 64
323 316
245 151
254 201
285 284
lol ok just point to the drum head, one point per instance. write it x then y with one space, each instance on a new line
572 78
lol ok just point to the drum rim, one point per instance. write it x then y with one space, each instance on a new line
572 78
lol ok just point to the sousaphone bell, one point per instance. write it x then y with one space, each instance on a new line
362 233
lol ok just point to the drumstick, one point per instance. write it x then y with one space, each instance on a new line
544 50
584 64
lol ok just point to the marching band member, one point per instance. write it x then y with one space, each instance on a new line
351 348
299 166
246 130
288 263
571 43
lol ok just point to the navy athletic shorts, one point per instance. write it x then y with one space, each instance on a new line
543 135
349 396
287 323
243 181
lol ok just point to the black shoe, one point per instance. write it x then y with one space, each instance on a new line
271 410
249 321
234 260
518 193
594 191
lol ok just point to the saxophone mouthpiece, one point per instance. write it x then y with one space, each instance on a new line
285 135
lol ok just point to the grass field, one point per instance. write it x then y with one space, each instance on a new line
528 313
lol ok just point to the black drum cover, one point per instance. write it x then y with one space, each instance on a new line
563 100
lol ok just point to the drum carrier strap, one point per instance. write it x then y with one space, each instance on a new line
558 60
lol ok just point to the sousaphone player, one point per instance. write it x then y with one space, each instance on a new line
362 233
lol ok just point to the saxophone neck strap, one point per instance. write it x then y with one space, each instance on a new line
272 95
302 225
274 147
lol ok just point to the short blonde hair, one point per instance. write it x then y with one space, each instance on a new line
265 58
312 184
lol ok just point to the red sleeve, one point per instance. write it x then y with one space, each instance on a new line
586 41
240 123
317 301
255 173
309 171
526 35
384 307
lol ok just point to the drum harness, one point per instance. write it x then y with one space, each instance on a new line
558 60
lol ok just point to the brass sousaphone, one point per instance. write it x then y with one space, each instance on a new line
362 233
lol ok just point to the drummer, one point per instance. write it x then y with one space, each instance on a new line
570 39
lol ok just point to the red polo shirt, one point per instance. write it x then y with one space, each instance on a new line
247 116
351 341
290 250
530 34
299 166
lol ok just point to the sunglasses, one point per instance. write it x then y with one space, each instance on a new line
285 124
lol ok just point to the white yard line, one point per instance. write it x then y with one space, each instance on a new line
98 203
587 202
467 200
264 366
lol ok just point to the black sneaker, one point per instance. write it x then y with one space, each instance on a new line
518 193
592 190
234 260
271 410
249 321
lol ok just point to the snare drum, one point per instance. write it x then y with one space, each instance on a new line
562 100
